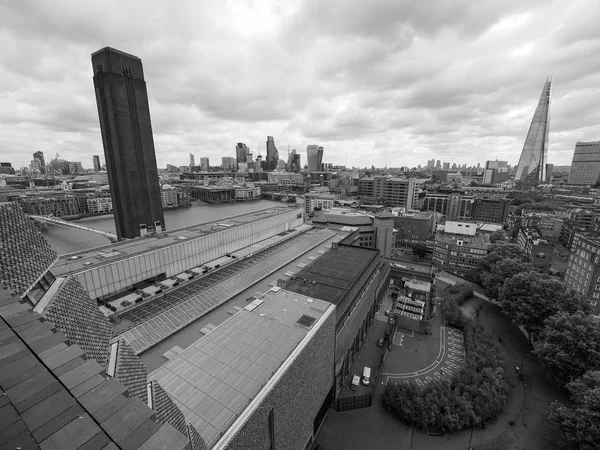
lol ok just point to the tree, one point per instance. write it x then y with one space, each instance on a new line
501 271
498 235
419 249
569 345
499 251
580 424
529 298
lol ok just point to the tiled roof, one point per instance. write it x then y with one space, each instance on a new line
53 397
77 316
24 254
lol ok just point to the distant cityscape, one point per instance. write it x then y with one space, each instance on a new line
249 331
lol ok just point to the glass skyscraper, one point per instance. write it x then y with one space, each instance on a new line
532 163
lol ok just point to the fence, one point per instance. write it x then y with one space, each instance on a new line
354 402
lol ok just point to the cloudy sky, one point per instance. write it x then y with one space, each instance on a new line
396 81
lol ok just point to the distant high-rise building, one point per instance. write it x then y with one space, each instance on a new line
532 163
39 156
204 164
126 130
272 154
241 152
97 163
192 160
438 164
314 155
228 163
585 167
6 168
446 166
495 172
431 163
294 164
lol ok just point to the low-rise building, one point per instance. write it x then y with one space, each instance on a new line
318 200
99 205
459 248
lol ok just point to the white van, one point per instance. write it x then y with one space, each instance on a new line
355 382
366 376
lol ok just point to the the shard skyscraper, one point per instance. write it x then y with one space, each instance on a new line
534 157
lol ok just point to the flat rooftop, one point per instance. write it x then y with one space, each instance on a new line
331 276
86 259
214 380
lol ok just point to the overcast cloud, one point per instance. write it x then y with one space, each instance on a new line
373 82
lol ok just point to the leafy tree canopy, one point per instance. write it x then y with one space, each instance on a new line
502 270
500 251
419 249
569 345
580 424
529 298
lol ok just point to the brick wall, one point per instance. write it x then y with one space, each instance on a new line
78 317
295 399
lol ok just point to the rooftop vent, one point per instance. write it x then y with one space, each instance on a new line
306 321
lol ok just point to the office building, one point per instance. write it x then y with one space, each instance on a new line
228 163
490 210
97 165
294 164
6 168
314 157
241 152
454 205
531 169
319 200
495 172
459 247
583 269
126 128
415 226
39 157
388 191
204 164
192 160
585 167
272 154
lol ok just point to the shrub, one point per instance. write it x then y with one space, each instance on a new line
474 397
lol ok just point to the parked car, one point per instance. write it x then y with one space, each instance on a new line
387 312
380 342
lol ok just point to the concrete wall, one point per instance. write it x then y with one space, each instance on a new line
295 399
112 278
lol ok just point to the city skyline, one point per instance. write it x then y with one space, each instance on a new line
380 102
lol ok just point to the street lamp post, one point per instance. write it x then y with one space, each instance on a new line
470 438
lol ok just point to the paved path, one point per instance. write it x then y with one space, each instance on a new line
450 359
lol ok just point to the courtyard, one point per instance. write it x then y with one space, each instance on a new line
522 424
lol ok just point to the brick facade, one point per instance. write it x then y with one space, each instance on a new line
78 317
295 399
24 253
